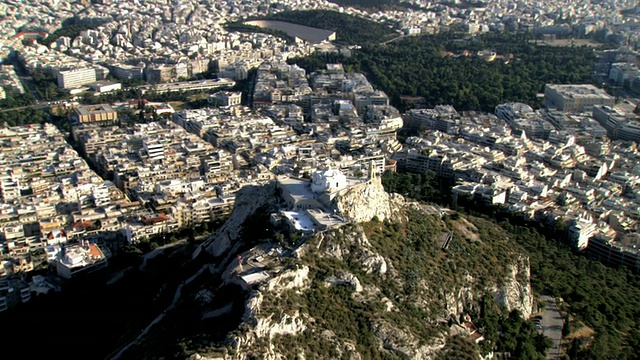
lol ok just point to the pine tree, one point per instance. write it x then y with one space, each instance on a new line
566 328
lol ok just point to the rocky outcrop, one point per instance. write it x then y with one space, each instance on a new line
345 279
405 343
289 279
248 200
370 261
459 301
365 201
268 325
197 356
286 325
517 293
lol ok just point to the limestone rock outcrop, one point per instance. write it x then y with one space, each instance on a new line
517 293
365 201
248 201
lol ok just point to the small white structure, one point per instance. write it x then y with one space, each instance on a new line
102 87
328 181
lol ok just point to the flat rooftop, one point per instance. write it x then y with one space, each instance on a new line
298 188
629 243
188 85
327 219
300 220
257 277
94 109
579 90
103 83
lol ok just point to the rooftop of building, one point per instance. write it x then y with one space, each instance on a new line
297 188
94 109
81 255
579 90
300 220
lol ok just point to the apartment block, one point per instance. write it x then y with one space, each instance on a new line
575 98
71 79
130 72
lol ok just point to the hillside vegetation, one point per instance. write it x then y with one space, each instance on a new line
394 288
388 290
606 299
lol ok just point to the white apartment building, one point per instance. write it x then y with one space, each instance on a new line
71 79
154 150
580 231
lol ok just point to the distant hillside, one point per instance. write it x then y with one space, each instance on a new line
349 29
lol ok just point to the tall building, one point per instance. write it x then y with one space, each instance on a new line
619 125
71 79
580 231
154 150
361 101
622 252
575 98
442 118
77 259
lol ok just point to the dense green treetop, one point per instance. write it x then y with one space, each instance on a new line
436 67
21 117
15 99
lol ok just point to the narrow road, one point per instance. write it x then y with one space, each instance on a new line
552 326
155 252
394 39
176 297
37 106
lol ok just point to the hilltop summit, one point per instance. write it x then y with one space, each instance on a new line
381 283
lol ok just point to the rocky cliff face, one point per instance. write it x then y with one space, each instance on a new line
248 201
363 202
517 293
